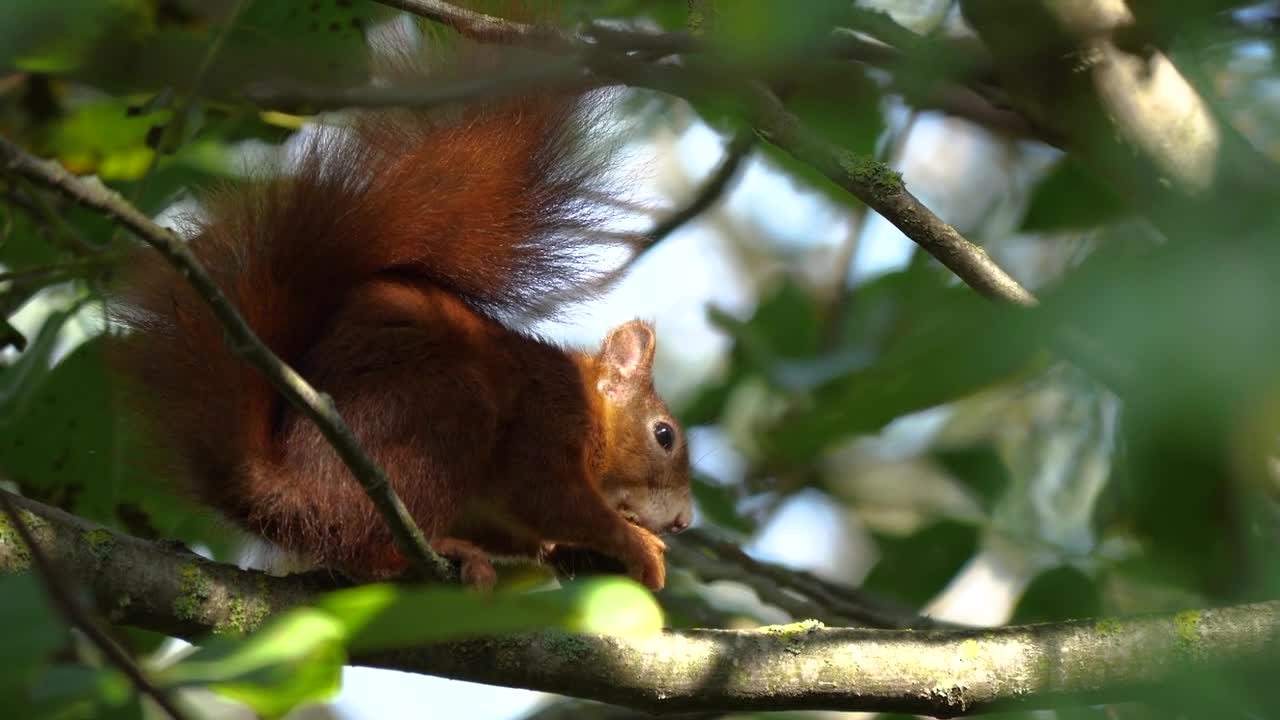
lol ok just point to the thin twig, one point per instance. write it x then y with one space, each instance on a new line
172 131
708 567
484 28
57 271
60 232
882 190
80 617
871 182
876 185
842 604
548 75
839 308
948 97
315 405
713 188
881 25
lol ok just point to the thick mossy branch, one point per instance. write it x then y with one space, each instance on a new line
803 665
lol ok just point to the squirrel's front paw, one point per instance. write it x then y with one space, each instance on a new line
645 559
475 568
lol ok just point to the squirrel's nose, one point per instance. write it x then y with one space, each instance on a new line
680 524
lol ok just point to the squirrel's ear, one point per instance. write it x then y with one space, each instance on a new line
626 358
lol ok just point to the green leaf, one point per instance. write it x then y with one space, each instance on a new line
1063 593
32 631
294 659
22 245
964 345
72 692
1197 321
55 37
839 102
1069 198
718 504
916 568
384 616
780 340
119 46
62 435
768 31
19 381
64 440
298 657
979 468
104 138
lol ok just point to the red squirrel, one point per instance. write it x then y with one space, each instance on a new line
382 268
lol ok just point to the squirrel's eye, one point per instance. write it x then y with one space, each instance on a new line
665 435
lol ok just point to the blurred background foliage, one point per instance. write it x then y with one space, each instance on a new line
855 412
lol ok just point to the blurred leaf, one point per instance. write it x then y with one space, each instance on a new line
294 659
978 468
67 443
117 46
1063 593
840 103
11 337
63 433
19 380
1069 198
70 692
104 138
1199 320
21 242
878 311
707 403
718 504
786 325
387 617
768 31
55 37
966 344
298 656
32 631
916 568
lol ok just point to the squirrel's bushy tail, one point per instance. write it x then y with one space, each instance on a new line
493 202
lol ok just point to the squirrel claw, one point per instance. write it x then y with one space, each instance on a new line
476 568
479 575
645 562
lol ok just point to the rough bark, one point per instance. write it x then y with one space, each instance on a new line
799 666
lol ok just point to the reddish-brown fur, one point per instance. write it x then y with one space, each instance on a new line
381 269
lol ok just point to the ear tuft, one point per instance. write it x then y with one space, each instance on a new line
626 359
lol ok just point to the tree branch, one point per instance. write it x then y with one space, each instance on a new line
1129 114
872 182
711 190
315 405
800 666
67 604
484 28
801 594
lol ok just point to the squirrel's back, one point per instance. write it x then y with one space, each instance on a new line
492 202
